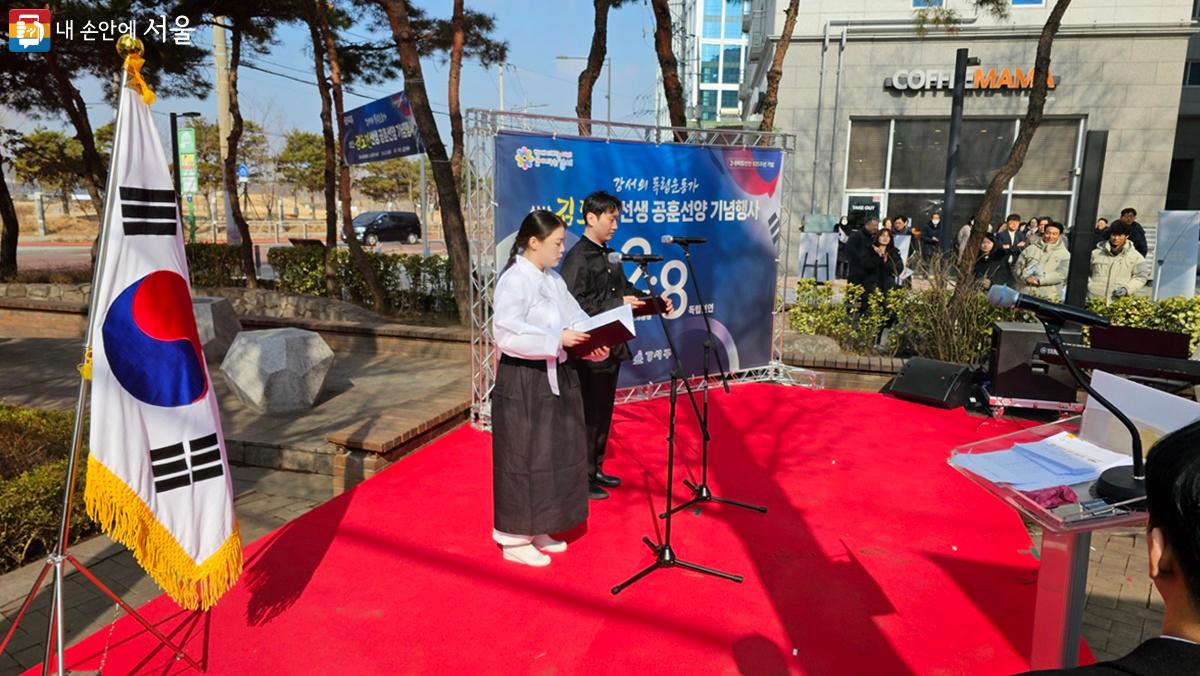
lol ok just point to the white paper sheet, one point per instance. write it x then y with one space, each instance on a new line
1154 412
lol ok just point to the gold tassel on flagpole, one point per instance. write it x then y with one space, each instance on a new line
85 369
132 49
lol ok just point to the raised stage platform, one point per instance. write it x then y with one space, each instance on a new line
875 557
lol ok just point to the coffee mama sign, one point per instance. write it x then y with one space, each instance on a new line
991 79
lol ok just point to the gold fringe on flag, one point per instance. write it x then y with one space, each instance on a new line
132 49
128 520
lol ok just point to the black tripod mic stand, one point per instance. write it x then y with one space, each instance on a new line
664 554
701 492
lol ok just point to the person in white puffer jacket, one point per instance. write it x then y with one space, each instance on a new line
1041 271
1118 269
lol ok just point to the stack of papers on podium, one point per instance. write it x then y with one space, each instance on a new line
1061 460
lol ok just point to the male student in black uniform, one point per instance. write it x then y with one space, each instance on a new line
599 285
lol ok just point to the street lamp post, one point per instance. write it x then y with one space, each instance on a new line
950 230
608 67
175 156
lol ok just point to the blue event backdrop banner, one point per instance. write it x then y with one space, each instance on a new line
731 195
381 130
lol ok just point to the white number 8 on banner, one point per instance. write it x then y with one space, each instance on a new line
678 289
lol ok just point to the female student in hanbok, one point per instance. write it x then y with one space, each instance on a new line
539 453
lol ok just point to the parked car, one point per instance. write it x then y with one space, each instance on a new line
373 227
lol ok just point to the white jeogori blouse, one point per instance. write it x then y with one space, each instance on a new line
531 309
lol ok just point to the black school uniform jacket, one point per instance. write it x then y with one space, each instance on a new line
598 286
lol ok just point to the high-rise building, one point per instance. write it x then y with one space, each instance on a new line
711 47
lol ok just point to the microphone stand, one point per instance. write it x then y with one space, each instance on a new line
664 554
1117 483
702 492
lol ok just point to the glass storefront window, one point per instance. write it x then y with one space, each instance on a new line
983 147
731 72
918 207
1051 157
868 154
1054 206
914 182
709 62
919 154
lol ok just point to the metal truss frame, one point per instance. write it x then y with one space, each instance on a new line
479 207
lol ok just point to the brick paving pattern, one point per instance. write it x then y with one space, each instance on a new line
266 499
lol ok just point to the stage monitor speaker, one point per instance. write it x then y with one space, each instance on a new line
1014 372
934 383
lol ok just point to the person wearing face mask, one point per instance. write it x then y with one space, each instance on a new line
1041 270
931 237
1117 268
539 453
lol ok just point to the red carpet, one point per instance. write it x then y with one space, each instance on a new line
875 558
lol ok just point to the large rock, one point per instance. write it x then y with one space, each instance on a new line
218 325
278 370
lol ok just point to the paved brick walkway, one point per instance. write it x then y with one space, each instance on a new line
266 499
1123 607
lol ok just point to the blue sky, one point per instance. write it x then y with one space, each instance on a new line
536 30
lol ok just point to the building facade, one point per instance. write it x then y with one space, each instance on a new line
1183 189
710 44
869 98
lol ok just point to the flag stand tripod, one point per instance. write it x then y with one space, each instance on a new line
60 557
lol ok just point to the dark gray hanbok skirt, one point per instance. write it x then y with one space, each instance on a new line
539 453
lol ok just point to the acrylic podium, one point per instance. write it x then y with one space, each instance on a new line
1066 540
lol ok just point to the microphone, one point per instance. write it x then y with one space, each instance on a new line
640 259
683 241
1003 296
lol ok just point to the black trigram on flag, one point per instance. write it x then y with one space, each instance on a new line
773 226
148 212
185 463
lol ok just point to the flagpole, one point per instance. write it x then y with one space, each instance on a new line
55 629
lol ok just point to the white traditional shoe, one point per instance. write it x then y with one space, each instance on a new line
526 554
549 544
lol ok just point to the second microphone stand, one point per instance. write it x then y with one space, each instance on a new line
664 554
702 492
1117 484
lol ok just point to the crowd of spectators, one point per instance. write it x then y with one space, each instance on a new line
1032 256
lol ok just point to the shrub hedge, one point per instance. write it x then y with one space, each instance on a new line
413 283
922 323
926 323
215 265
33 450
1178 314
